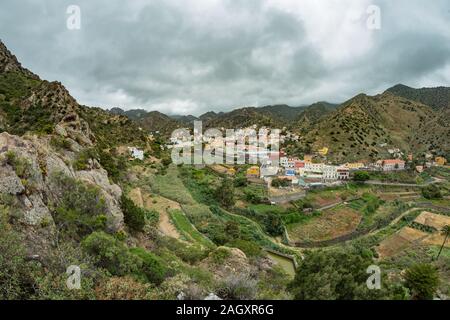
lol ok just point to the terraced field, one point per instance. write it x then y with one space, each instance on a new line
331 224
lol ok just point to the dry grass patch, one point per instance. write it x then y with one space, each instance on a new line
434 220
331 224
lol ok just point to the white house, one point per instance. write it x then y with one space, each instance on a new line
136 153
309 166
330 172
393 165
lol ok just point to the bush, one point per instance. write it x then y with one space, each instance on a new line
60 143
240 182
134 216
361 176
250 249
80 209
123 288
152 266
111 254
225 193
21 166
82 160
431 192
219 255
238 287
278 183
252 197
422 280
15 279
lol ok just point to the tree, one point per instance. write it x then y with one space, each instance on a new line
422 280
225 193
277 183
232 229
361 176
274 224
431 192
337 274
445 232
134 216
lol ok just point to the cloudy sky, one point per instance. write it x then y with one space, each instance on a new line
192 56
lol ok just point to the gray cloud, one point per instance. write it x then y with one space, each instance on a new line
195 56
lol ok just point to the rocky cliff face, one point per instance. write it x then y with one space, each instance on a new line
28 178
29 159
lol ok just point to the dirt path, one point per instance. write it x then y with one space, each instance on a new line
160 204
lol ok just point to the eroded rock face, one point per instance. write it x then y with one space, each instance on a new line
30 180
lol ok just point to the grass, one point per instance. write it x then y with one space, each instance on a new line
185 227
170 186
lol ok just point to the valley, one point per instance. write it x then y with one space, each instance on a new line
360 183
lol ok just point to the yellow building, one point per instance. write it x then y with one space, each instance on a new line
440 161
308 158
354 165
323 152
253 172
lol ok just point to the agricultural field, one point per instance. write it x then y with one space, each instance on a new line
188 231
331 224
423 231
170 186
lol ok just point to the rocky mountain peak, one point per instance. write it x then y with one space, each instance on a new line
9 62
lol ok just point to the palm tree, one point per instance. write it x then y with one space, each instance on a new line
445 232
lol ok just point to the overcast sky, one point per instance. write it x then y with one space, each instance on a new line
189 57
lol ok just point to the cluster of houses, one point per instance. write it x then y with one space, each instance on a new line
304 172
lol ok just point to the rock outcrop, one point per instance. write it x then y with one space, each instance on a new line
27 177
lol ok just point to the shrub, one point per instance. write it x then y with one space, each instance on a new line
361 176
123 288
152 266
219 255
431 192
80 209
111 254
60 143
248 247
240 182
252 197
15 280
422 280
21 166
277 183
82 160
225 193
238 287
134 216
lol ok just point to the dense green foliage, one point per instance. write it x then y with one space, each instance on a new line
80 209
431 192
277 183
422 280
133 216
112 254
225 193
338 274
361 176
152 266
